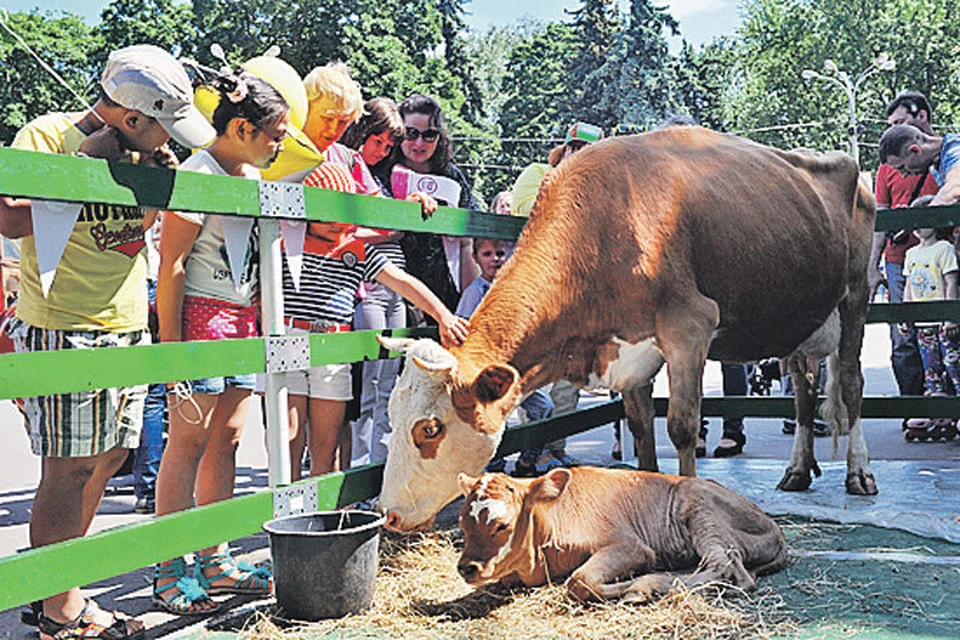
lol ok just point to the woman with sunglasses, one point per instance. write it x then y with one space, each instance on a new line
445 264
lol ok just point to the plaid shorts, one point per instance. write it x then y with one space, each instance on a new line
84 423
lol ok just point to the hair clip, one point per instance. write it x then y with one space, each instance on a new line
238 92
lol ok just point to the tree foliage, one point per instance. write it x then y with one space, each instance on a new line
510 92
780 38
27 90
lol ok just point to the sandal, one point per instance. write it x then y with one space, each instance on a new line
188 592
84 626
730 445
250 580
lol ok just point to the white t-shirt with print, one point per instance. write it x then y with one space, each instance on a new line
924 269
207 267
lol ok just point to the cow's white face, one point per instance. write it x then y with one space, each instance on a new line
442 426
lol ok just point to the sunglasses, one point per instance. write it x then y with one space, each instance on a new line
428 135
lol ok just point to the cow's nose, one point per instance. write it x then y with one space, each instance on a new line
469 570
393 522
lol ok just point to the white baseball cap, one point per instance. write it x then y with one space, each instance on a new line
150 80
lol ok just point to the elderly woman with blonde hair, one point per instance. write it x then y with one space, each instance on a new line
334 103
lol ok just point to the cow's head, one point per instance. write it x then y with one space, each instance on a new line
496 518
442 425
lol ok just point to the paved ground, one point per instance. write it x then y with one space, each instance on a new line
19 472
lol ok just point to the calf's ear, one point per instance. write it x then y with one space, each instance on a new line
550 486
467 483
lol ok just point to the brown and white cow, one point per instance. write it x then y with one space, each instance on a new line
615 533
671 246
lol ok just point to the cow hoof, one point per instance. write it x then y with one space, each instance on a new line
794 480
861 483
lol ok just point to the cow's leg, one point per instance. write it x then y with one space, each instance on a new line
638 406
804 375
860 480
596 579
853 315
684 332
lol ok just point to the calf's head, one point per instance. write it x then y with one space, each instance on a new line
442 425
496 517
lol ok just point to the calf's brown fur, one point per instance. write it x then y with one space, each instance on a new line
633 535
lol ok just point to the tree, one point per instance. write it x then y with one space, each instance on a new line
594 67
27 90
458 61
164 23
780 38
535 98
644 91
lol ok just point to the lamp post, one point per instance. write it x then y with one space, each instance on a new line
841 78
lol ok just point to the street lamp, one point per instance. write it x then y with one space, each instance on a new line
881 63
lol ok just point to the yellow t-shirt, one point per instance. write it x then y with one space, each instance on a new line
101 280
526 187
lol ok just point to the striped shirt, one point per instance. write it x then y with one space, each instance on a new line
331 273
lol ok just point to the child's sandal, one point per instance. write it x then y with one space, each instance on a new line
85 627
249 580
188 599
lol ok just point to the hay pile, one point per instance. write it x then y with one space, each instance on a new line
420 595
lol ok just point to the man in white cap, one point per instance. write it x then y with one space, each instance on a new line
98 298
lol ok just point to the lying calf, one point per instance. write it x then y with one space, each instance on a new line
615 533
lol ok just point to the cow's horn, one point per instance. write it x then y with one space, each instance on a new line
434 368
400 345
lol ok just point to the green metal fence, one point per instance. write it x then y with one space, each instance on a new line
42 572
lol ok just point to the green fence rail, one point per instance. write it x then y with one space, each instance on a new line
42 572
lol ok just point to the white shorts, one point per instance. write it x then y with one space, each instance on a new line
326 382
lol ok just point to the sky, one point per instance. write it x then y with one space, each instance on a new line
700 20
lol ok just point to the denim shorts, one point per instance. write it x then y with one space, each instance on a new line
216 386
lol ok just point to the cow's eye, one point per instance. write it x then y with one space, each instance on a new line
430 428
427 436
500 527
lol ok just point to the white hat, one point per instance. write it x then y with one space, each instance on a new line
150 80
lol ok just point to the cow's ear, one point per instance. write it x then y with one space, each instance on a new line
494 382
399 345
467 483
550 486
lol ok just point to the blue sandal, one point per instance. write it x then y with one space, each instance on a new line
250 580
188 591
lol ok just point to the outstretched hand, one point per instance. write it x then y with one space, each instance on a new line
453 330
428 204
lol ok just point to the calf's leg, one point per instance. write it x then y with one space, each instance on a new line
596 579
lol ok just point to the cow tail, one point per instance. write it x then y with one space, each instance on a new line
833 411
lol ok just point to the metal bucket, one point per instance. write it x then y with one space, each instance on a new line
325 563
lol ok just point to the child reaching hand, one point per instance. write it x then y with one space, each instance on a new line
335 262
931 273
